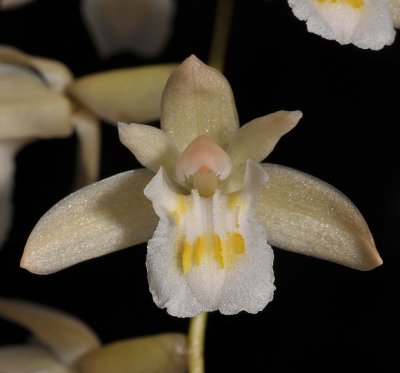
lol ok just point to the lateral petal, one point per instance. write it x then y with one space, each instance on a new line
256 139
162 353
123 95
306 215
68 337
151 146
107 216
198 100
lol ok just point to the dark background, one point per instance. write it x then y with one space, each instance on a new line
324 317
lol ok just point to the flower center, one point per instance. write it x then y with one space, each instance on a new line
202 164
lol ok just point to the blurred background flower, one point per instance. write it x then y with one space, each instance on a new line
62 343
33 106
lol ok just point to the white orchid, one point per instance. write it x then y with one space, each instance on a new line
368 24
62 343
217 205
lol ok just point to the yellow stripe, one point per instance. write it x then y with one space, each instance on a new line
199 249
356 4
187 251
223 251
219 256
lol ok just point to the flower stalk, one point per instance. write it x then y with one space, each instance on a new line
197 329
219 42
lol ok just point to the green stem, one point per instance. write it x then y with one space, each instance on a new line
222 26
197 329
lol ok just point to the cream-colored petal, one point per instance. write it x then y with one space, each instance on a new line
10 4
306 215
87 129
394 6
28 109
66 336
256 139
29 359
124 95
53 73
107 216
56 74
13 56
138 26
152 147
7 166
162 353
198 100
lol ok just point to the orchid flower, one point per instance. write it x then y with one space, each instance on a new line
368 24
64 344
138 26
210 210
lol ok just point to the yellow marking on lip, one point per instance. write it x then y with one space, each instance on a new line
235 242
199 249
181 208
187 251
218 251
356 4
223 251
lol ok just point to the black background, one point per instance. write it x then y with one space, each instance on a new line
324 317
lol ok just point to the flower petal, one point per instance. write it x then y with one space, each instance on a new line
87 129
28 108
28 359
152 147
124 95
209 254
163 353
256 139
107 216
394 6
306 215
198 100
68 337
53 73
365 23
139 26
